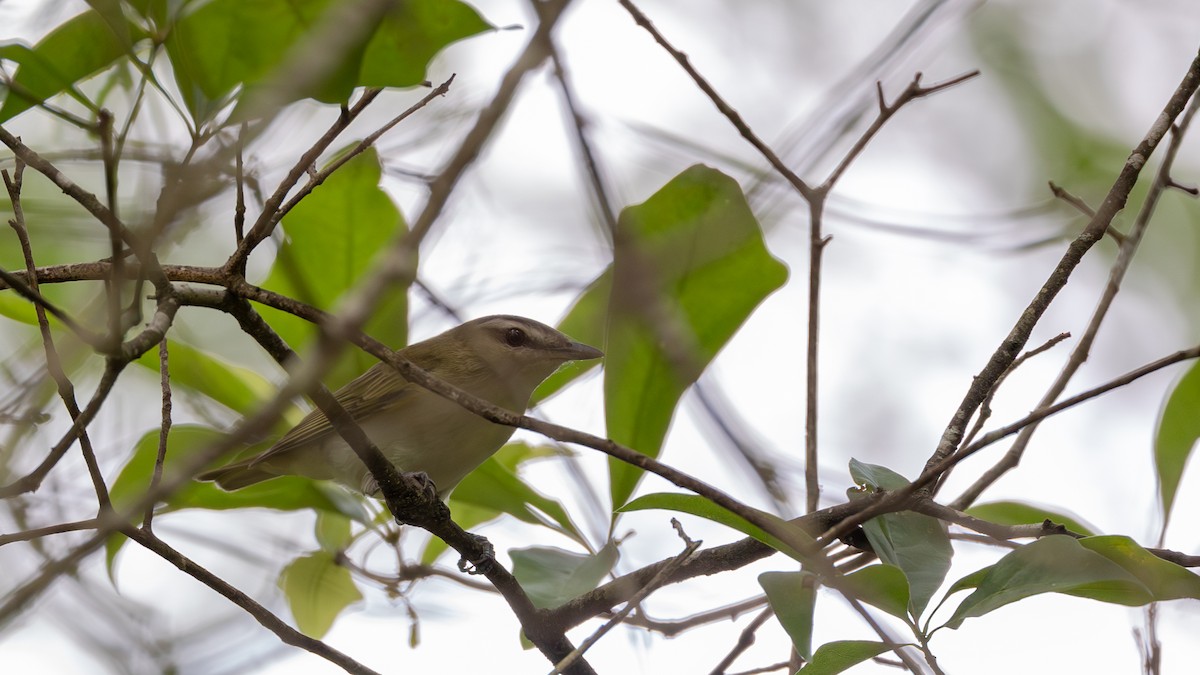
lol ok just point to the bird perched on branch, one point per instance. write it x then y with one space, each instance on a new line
500 359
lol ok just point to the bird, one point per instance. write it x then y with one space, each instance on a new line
499 358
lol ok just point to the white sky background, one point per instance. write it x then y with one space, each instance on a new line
906 321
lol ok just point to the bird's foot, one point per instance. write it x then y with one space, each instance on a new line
424 484
483 564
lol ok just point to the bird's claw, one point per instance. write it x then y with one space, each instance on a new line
486 560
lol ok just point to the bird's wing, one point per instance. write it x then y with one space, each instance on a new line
378 388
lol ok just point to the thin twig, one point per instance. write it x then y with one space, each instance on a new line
164 431
1082 349
262 615
1015 341
688 549
745 640
66 388
730 114
319 177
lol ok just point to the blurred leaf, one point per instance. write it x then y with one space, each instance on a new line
552 576
884 586
704 508
333 237
317 590
836 657
1053 564
915 543
584 323
290 493
793 597
332 531
1022 513
79 48
408 38
227 44
239 389
494 486
1178 430
696 249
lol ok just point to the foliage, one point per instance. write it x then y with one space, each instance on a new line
690 265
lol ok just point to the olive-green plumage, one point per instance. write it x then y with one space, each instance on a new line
501 359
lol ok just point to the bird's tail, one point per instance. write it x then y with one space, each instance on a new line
236 476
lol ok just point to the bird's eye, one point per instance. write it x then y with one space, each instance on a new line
515 337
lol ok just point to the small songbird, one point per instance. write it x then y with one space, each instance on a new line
501 359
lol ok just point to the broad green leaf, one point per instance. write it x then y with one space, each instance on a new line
1053 564
552 576
317 590
289 493
1022 513
410 36
79 48
915 543
494 486
333 237
1178 431
230 44
836 657
585 323
692 252
1166 580
704 508
239 389
793 598
884 586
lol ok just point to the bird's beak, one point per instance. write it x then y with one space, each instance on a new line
577 351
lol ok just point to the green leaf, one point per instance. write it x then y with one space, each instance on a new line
79 48
884 586
915 543
1178 430
317 590
333 237
239 389
1023 513
332 531
290 493
1053 564
836 657
793 597
494 486
408 38
1166 580
695 252
876 477
704 508
585 322
552 576
230 44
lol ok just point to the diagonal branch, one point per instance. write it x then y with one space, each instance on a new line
1117 196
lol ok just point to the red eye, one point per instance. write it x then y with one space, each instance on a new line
515 337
